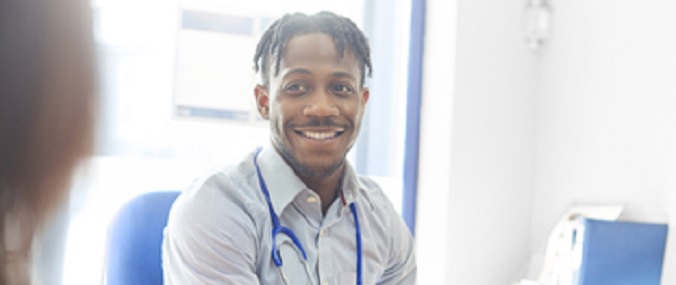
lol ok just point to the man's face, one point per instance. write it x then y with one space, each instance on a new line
315 105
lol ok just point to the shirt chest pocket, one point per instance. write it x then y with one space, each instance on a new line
350 278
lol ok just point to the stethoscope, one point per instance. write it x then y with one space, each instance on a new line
277 228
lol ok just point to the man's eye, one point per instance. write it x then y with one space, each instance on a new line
295 88
342 89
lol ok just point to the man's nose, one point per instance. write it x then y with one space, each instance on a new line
321 105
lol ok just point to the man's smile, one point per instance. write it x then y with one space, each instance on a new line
320 134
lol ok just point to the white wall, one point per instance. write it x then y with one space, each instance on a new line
606 114
589 119
478 122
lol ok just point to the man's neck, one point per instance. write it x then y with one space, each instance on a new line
325 187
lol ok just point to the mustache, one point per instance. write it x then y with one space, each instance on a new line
326 122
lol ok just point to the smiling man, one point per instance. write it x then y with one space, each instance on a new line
295 212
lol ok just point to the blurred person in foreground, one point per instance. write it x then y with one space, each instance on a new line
46 120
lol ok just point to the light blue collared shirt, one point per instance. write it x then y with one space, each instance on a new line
219 230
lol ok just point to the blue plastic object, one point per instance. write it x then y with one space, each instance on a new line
622 253
134 245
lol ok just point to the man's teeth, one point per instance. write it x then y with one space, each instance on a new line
320 135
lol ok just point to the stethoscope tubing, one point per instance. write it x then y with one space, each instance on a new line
353 209
278 228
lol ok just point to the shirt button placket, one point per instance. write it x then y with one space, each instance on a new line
323 253
321 265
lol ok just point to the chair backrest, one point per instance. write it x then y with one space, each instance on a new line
134 244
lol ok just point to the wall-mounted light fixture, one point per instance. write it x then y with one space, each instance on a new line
538 19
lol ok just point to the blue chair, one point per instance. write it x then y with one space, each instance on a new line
134 243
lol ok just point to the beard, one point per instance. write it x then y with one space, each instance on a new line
308 170
304 170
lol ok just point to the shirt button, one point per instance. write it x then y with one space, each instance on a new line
311 199
325 283
322 232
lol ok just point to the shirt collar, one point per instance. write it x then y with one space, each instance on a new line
351 184
284 185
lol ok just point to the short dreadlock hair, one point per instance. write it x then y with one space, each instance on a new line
341 29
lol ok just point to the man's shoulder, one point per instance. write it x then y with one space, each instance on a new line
228 184
371 187
374 193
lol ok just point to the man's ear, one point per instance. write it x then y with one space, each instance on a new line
262 101
365 93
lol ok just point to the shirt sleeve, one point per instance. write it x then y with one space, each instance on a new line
402 267
209 239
